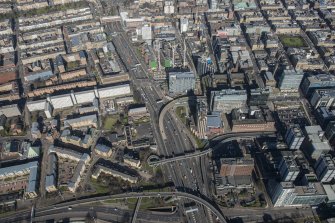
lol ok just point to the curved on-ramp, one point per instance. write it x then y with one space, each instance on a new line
167 107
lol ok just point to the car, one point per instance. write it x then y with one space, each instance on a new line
69 208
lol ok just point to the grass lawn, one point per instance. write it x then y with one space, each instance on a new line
63 188
181 113
200 143
149 203
99 188
292 41
131 202
146 203
110 121
112 201
145 166
125 120
4 214
142 120
180 110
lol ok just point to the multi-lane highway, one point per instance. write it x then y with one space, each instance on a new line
176 141
81 208
190 170
186 172
59 208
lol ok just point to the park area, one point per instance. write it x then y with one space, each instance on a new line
114 122
181 113
292 41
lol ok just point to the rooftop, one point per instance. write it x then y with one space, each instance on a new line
236 167
214 120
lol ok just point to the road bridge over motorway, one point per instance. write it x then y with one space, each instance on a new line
25 215
221 138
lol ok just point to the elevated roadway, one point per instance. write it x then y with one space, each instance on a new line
137 208
169 106
221 138
25 215
176 138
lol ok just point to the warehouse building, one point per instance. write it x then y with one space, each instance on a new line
138 113
227 100
76 98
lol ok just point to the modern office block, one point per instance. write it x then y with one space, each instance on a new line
294 137
181 82
319 81
330 133
290 80
325 168
288 169
317 143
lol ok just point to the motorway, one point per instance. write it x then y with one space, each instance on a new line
188 171
188 174
59 208
82 207
185 173
107 213
167 107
